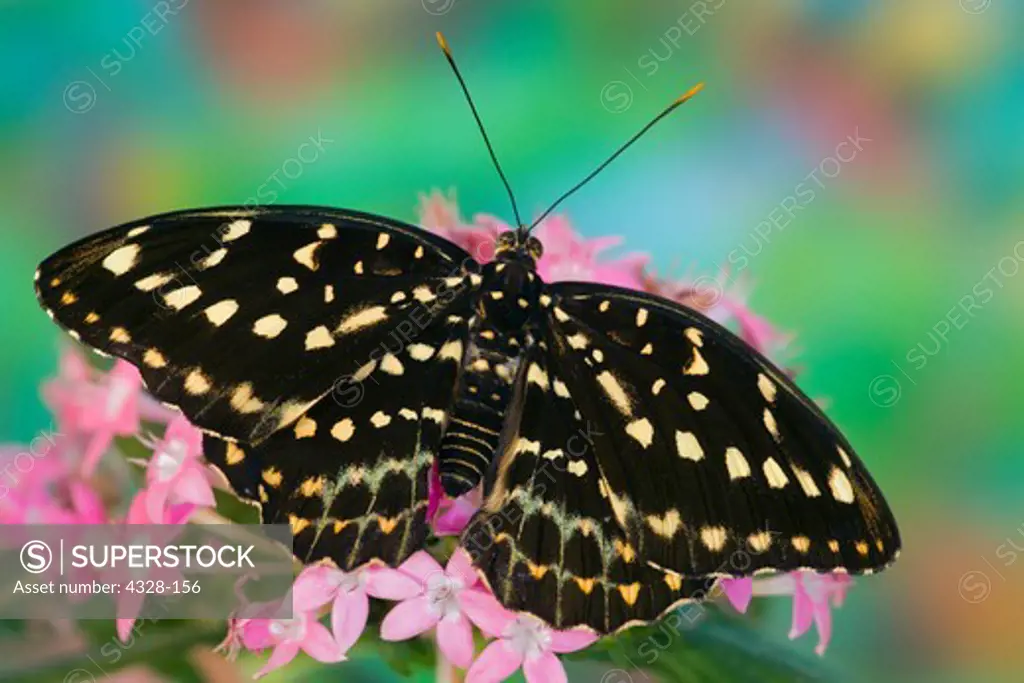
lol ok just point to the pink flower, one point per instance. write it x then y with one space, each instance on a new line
108 410
176 473
522 641
350 592
567 256
287 637
440 215
436 603
814 595
449 517
130 604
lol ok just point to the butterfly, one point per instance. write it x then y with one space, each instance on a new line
629 451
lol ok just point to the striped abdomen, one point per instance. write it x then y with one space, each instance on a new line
474 425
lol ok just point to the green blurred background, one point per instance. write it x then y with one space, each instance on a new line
898 274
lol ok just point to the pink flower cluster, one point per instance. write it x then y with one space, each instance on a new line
57 480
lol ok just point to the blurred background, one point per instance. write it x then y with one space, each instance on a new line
858 162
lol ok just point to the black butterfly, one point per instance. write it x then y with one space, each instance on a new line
630 449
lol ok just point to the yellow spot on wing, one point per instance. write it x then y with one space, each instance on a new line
243 400
154 359
585 585
120 335
151 282
314 486
233 455
272 476
630 593
714 537
327 231
305 427
196 383
343 429
665 525
767 387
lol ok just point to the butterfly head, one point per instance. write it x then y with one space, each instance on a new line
518 245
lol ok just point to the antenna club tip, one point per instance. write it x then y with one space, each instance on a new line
443 43
690 93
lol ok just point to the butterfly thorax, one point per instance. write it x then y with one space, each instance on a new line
502 330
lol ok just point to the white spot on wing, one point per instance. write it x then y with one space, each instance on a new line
641 317
538 376
213 259
182 297
697 366
327 231
688 446
287 285
220 312
615 392
578 467
451 350
840 486
777 479
695 336
382 240
343 430
123 259
135 232
713 537
269 326
767 387
421 352
697 400
736 464
235 230
380 419
806 482
364 317
319 338
642 431
391 365
306 255
665 525
151 282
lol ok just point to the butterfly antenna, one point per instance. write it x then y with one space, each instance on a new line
487 141
668 110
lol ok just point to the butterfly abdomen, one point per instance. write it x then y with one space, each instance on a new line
481 403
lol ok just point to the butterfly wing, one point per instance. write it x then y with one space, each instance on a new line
715 463
546 537
244 318
351 475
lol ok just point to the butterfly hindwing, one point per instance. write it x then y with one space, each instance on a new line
546 538
244 318
716 464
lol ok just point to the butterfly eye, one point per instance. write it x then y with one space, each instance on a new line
535 248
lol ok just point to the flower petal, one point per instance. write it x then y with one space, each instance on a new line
496 663
314 587
319 644
572 640
256 634
408 619
391 584
461 567
421 565
193 487
282 654
739 592
455 640
348 617
484 610
544 669
803 612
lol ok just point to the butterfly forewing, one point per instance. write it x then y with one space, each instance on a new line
244 318
716 463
